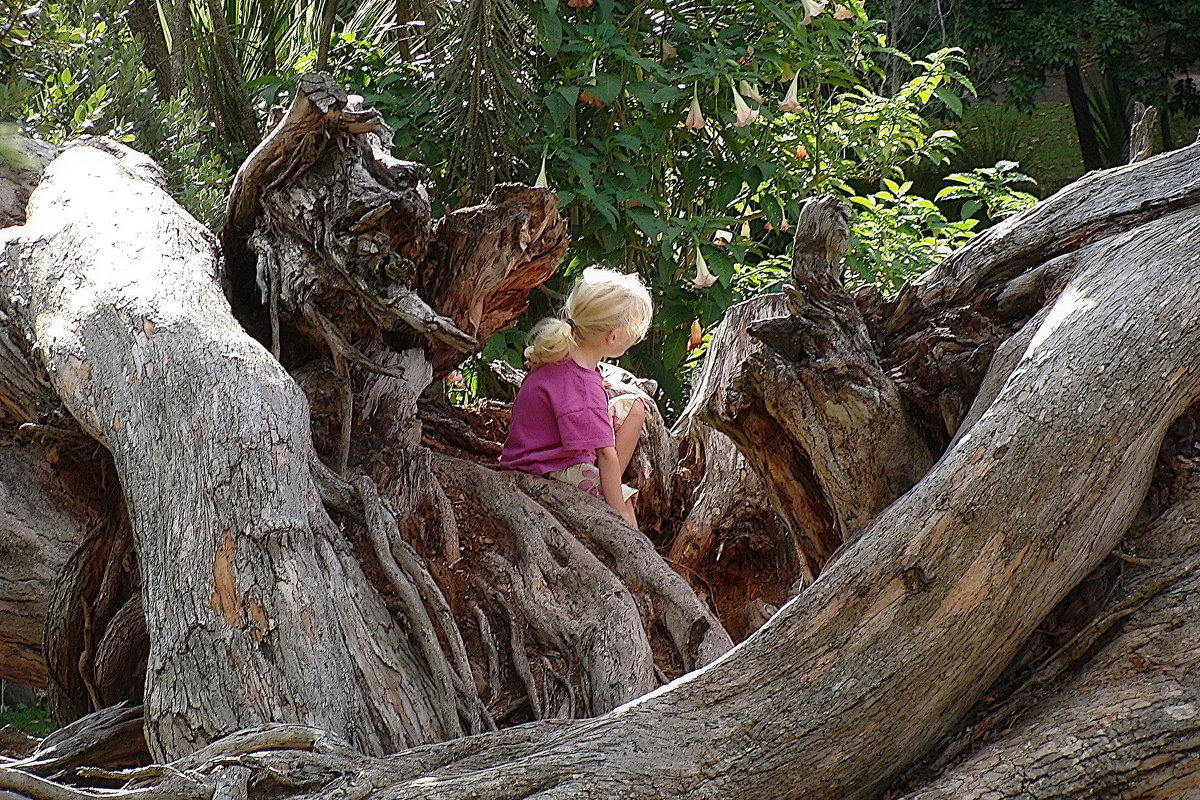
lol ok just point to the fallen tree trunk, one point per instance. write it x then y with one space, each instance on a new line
933 599
143 356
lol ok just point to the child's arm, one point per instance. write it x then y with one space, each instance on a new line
610 483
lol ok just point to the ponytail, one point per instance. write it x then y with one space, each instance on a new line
550 340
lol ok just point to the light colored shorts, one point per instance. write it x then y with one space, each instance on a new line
586 477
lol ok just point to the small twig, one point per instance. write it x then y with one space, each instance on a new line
1132 559
490 652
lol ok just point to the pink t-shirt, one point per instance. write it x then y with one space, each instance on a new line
559 419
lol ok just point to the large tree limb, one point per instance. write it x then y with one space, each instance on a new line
213 539
1127 724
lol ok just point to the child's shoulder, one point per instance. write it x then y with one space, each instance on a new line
565 375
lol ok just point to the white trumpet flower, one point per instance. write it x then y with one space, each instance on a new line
695 119
811 9
791 102
704 277
745 114
750 91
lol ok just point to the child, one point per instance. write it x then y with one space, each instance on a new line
561 424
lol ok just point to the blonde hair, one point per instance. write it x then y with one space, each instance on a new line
601 301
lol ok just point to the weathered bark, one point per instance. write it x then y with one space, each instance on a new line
112 737
842 444
144 356
21 164
39 528
1121 722
484 260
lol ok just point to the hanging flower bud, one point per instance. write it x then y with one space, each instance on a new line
841 12
694 120
579 3
704 278
745 114
801 151
745 230
695 336
791 102
586 96
668 50
811 9
750 91
541 182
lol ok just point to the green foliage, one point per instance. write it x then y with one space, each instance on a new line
79 72
597 96
33 721
895 234
991 188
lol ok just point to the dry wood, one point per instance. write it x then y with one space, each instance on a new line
731 545
842 445
152 333
1141 132
484 260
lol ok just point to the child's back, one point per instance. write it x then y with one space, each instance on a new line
560 418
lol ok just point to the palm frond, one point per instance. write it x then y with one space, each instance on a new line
481 86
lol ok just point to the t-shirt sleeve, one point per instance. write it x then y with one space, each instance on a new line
586 429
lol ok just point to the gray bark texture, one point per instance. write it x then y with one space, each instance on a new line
236 553
984 496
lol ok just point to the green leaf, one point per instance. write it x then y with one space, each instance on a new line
551 32
607 87
952 100
668 93
647 221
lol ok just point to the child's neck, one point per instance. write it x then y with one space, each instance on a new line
587 357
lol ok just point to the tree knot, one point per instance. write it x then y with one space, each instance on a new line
915 580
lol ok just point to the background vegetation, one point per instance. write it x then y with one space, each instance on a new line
682 137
